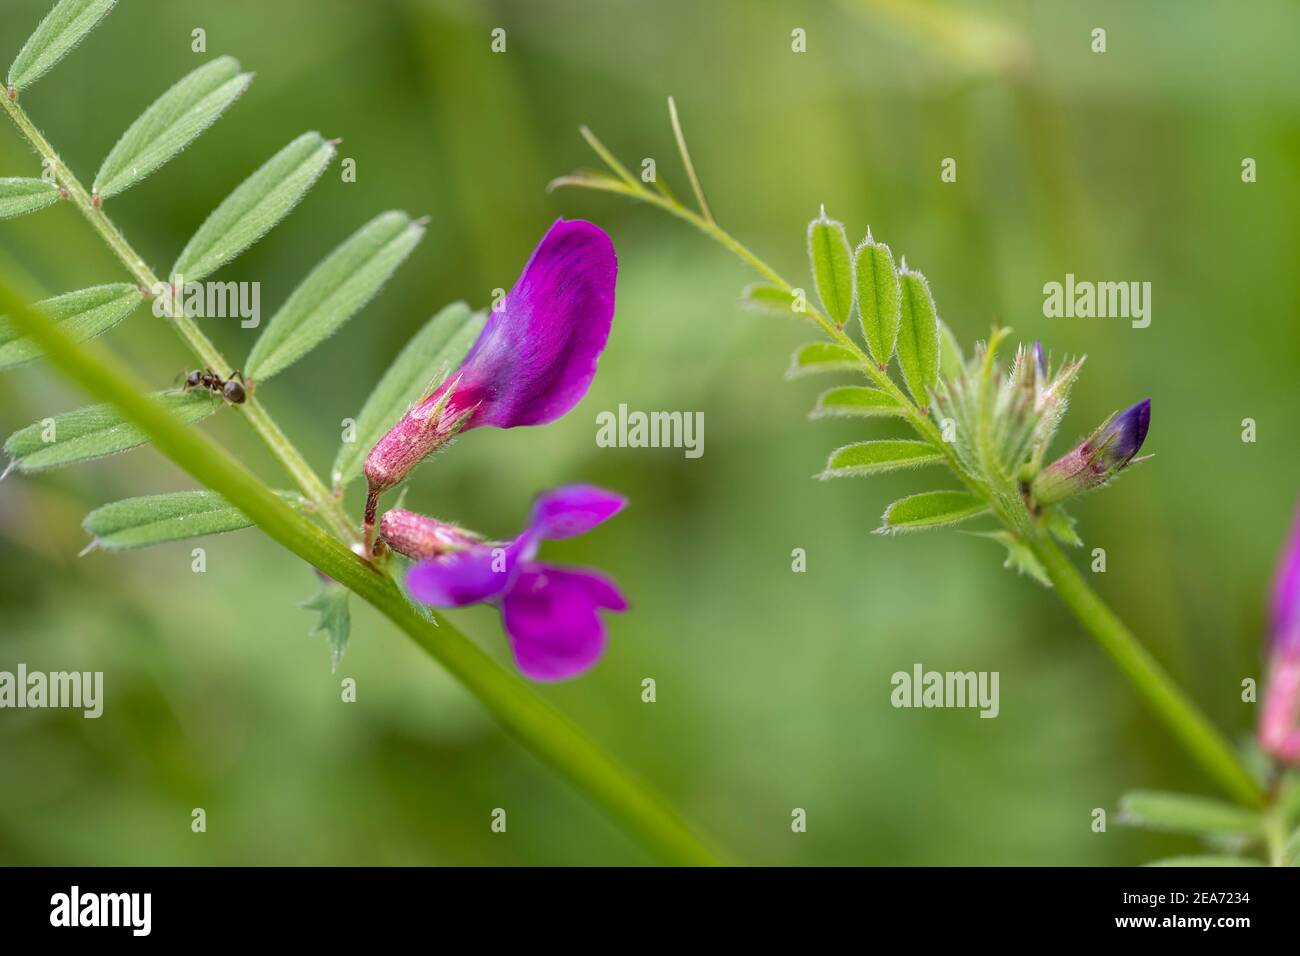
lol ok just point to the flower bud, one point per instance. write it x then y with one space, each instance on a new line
1096 459
428 426
420 537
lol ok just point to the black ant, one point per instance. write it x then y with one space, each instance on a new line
235 392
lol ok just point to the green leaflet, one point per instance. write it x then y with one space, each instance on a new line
1061 526
951 362
772 298
1205 861
931 509
82 315
918 336
877 457
95 431
336 289
879 298
173 121
334 619
256 205
20 195
821 357
832 267
1182 813
1020 557
63 28
855 400
435 351
156 519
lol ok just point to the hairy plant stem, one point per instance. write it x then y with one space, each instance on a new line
538 725
1188 724
1202 740
1275 836
323 501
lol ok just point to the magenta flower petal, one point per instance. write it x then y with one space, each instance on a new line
1279 721
535 359
465 577
1286 593
552 618
573 510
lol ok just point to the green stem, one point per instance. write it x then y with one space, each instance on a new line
1180 715
326 504
526 715
1275 835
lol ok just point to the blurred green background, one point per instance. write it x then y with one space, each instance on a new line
773 687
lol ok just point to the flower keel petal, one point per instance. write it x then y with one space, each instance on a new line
551 616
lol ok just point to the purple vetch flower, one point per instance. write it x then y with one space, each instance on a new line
1096 459
1279 723
551 614
533 361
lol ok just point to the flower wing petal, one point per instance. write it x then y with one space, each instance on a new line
571 510
463 577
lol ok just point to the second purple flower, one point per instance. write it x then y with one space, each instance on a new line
551 613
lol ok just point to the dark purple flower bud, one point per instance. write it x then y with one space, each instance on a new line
1124 436
1096 459
1040 360
550 613
1279 723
